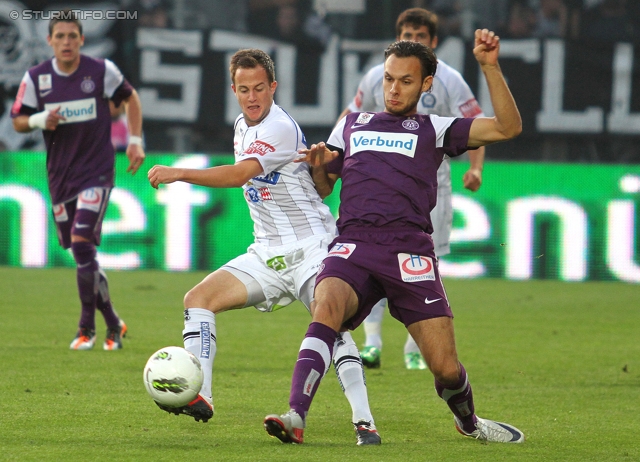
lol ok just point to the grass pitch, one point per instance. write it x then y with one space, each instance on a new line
561 361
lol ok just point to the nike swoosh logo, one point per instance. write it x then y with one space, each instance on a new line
81 226
45 93
429 302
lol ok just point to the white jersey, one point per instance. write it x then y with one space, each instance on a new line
284 204
450 96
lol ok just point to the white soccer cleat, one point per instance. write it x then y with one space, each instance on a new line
84 339
288 428
494 432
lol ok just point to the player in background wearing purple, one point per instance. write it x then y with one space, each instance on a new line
68 97
449 96
388 162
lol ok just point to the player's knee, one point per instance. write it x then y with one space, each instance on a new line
447 373
83 252
195 299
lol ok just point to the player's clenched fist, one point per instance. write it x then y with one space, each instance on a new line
161 174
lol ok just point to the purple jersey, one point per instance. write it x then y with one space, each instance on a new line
389 166
79 151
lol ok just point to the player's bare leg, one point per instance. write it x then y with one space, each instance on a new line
437 342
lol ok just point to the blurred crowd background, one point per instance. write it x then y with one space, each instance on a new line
600 63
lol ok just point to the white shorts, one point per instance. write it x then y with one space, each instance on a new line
442 213
282 271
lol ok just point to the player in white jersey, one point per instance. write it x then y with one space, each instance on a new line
292 228
450 96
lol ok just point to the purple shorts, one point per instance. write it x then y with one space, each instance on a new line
82 216
397 264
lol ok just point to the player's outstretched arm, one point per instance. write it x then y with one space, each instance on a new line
317 155
223 176
506 123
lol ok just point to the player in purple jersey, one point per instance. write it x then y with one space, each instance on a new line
68 97
388 163
449 96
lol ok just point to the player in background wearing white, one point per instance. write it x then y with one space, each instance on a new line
292 229
450 96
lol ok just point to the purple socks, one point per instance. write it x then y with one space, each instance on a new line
314 359
459 398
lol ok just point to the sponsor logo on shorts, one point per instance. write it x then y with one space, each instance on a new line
429 302
90 199
341 250
399 143
60 213
277 263
205 340
414 268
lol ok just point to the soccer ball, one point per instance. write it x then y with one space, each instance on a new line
173 376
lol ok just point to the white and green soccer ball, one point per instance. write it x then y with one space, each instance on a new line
173 376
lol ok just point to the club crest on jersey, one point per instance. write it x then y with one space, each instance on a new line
259 147
414 268
341 250
410 124
87 85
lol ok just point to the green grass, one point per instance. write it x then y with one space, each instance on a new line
561 361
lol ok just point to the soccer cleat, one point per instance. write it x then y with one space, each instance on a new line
414 361
370 356
288 428
493 432
84 340
366 433
200 408
113 341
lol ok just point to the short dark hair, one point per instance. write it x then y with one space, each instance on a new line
418 17
64 16
249 58
406 49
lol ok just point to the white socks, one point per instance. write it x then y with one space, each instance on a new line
373 325
348 365
199 336
410 346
